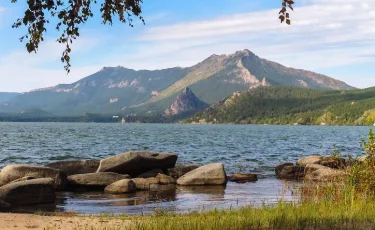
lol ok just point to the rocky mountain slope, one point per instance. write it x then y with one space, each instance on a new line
186 102
118 90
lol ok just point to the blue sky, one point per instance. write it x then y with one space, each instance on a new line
335 37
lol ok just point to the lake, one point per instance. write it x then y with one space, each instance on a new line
242 148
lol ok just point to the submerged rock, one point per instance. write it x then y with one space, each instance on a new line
15 172
121 186
76 166
212 174
101 179
141 184
135 163
181 170
151 173
29 192
309 160
242 178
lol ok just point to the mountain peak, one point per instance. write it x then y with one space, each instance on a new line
185 102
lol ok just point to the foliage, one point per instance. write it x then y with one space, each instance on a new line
284 14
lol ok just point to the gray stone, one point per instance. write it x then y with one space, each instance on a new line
151 173
141 184
242 178
14 172
179 171
76 166
121 186
29 192
164 179
135 163
212 174
101 179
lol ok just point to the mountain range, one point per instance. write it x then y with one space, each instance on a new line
119 90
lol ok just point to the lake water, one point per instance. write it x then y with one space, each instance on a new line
242 148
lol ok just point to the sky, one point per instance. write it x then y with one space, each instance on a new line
335 38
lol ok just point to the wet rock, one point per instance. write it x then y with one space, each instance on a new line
291 172
280 167
29 192
309 160
101 179
121 186
76 166
212 174
151 173
135 163
14 172
327 175
152 180
242 178
179 171
333 162
141 184
164 179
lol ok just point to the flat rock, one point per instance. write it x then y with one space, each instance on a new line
15 172
141 184
135 163
242 178
164 179
101 179
29 192
121 186
151 173
181 170
212 174
291 172
309 160
76 166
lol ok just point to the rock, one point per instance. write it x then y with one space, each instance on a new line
280 167
333 162
291 172
243 178
135 163
24 178
179 171
14 172
152 180
4 205
101 179
29 192
309 168
151 173
76 166
141 184
212 174
121 186
327 174
309 160
164 179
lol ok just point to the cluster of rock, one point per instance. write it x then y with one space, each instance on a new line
123 173
313 168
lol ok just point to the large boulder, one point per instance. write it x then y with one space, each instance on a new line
291 172
29 192
151 173
121 186
76 166
181 170
141 184
15 172
212 174
327 175
309 160
242 178
135 163
101 179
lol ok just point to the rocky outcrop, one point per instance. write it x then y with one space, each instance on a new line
135 163
29 192
151 173
101 179
121 186
181 170
212 174
185 102
141 184
242 178
76 166
15 172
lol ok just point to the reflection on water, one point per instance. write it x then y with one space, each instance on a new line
172 198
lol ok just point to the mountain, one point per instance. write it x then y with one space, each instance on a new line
290 105
186 102
4 97
118 90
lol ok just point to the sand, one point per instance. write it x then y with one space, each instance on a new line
29 221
